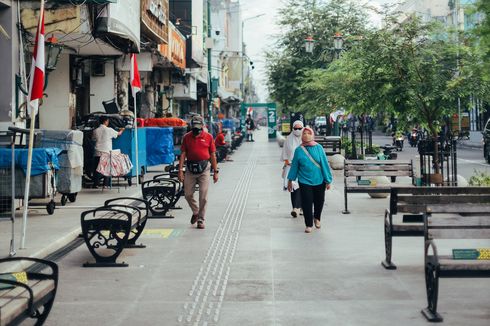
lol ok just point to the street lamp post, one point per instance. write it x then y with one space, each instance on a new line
338 43
243 53
210 94
169 94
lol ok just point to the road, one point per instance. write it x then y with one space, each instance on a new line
469 159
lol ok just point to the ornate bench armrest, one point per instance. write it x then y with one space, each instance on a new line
33 275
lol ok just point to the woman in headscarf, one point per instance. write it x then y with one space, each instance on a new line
292 142
310 167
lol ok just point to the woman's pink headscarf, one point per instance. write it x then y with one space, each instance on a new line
310 143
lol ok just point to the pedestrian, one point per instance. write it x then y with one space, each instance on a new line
102 136
223 149
199 149
293 140
310 167
250 125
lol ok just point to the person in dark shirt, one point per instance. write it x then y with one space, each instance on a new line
250 125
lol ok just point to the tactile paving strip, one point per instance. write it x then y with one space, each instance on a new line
208 290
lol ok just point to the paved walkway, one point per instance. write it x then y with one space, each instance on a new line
254 265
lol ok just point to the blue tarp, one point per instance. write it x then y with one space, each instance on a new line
159 146
229 124
41 157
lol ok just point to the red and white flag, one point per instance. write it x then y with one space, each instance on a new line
134 75
36 82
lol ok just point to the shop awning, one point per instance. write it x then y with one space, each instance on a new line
228 97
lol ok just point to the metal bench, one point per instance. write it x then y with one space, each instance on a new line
162 193
355 170
32 300
475 224
331 144
107 230
404 218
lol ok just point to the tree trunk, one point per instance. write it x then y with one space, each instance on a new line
433 132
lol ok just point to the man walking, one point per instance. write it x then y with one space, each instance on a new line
198 148
250 125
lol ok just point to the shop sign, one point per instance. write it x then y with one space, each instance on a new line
156 9
178 49
154 19
174 51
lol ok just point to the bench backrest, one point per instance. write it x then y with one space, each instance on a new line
416 199
440 226
331 144
360 168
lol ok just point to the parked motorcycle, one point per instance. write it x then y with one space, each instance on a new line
389 153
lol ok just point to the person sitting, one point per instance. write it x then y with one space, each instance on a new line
222 147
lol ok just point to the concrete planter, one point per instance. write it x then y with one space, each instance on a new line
380 181
336 162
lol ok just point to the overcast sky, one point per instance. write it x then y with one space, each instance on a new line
258 33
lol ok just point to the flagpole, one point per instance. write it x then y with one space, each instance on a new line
135 80
29 151
136 140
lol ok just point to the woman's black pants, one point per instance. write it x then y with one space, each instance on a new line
312 197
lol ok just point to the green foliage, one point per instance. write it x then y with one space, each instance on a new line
480 179
288 64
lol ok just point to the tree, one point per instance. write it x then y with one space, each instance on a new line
288 63
408 69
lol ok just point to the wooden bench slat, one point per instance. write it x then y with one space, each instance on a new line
482 208
371 162
381 168
460 233
16 302
453 199
448 263
459 221
377 173
402 190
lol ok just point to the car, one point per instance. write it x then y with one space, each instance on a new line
486 141
320 125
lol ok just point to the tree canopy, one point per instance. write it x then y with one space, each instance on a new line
289 63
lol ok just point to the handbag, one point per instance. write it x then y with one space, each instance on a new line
310 157
197 167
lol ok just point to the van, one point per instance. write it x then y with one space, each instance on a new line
486 141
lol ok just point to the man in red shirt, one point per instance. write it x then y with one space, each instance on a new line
222 148
199 148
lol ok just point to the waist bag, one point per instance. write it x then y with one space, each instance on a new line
197 167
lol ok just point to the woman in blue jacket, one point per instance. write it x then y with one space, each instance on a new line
310 167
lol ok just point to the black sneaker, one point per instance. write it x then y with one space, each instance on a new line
194 219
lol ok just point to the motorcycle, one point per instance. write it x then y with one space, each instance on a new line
414 138
398 142
388 153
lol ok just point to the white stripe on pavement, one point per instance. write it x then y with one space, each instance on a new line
473 162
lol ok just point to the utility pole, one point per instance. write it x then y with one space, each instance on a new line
456 23
210 91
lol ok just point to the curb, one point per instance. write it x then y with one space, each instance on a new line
58 244
472 146
46 251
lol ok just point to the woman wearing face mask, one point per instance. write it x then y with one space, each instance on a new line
292 142
310 167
